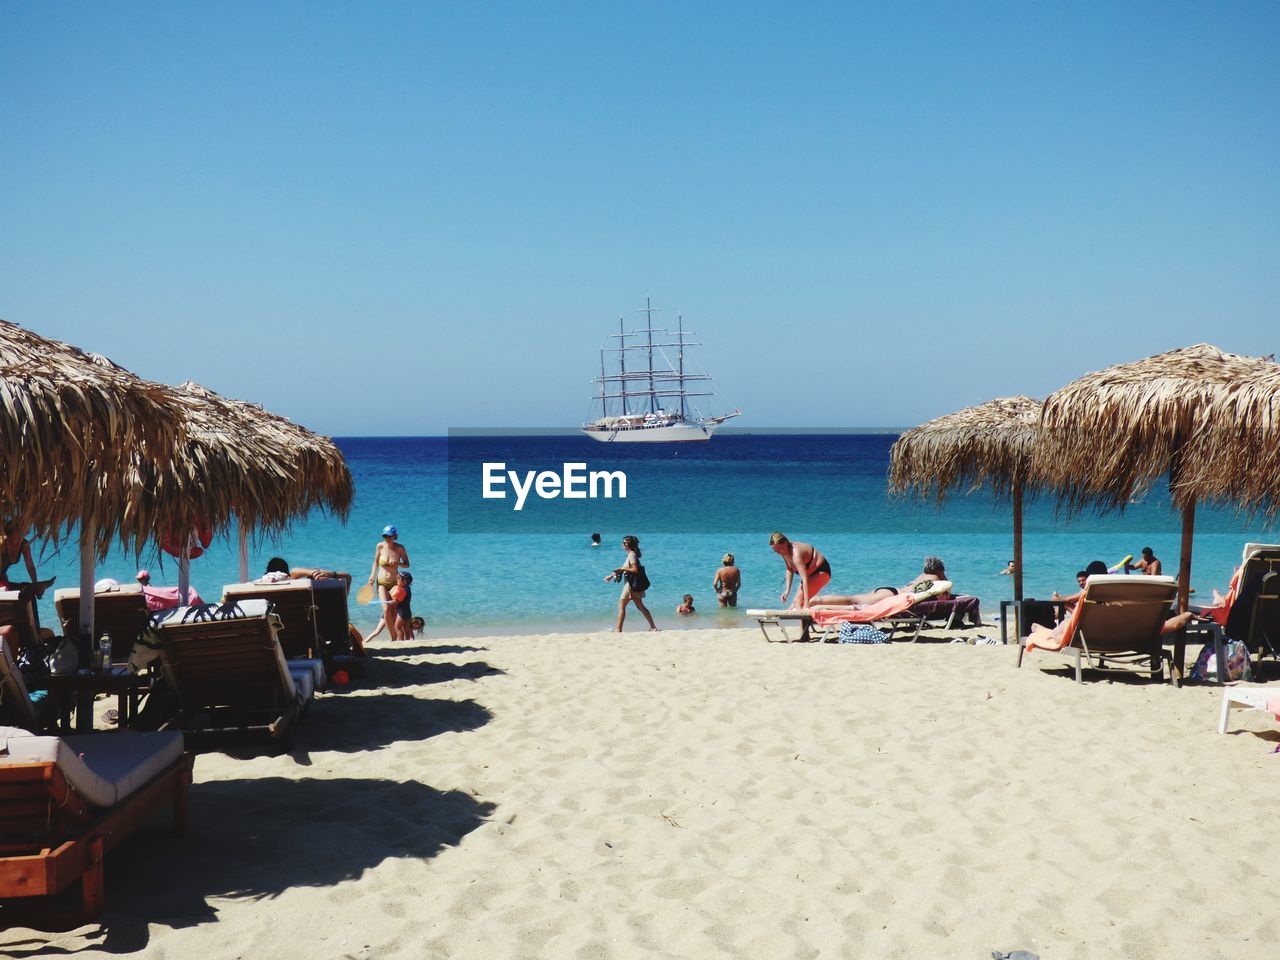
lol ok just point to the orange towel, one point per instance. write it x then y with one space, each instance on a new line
1062 634
868 613
1219 614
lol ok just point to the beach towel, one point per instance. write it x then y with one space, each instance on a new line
166 598
1061 635
866 613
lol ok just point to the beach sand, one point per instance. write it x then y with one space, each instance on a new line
707 794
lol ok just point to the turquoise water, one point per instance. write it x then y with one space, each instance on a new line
828 490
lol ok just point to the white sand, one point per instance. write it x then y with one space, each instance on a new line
706 794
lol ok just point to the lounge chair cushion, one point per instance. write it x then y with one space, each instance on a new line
319 678
304 683
7 732
103 768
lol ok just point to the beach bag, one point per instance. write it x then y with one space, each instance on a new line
1237 663
860 633
638 580
63 660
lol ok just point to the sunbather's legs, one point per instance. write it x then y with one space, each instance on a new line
857 599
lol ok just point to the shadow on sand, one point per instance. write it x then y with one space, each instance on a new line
392 674
419 649
253 840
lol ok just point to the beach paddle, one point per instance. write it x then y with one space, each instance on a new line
365 595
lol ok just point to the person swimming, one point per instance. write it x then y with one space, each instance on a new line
686 605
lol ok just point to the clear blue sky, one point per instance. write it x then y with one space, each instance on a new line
873 214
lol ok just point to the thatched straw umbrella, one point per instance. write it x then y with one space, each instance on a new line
990 444
70 430
1206 418
263 469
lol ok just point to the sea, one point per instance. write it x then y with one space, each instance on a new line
483 567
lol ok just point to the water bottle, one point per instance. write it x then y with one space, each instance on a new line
104 652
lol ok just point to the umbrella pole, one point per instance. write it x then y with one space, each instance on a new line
184 576
1017 561
1184 586
87 539
244 553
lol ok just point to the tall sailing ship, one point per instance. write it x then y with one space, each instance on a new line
647 392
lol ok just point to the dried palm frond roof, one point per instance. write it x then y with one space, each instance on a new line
1207 418
70 429
272 470
989 444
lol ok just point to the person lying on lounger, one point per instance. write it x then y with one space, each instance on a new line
934 570
278 565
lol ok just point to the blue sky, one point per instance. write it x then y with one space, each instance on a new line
397 218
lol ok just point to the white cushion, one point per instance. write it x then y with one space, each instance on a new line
1144 582
7 732
196 614
103 768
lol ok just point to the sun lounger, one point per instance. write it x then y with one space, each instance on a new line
1253 615
65 802
122 613
20 611
1118 619
229 673
294 603
822 623
16 706
1266 699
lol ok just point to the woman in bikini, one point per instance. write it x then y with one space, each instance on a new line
388 557
807 561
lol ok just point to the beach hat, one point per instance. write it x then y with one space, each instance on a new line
141 574
389 531
106 585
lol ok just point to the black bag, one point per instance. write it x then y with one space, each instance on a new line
638 580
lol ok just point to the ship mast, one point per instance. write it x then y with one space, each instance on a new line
622 364
604 403
648 325
680 354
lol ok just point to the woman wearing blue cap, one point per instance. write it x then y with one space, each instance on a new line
388 558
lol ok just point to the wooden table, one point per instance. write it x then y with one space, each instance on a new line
79 689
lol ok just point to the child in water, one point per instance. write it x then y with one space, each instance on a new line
686 605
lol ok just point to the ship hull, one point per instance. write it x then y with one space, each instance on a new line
668 433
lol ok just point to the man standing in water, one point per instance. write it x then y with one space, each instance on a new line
803 559
1149 564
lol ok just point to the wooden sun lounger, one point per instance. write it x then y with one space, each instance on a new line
20 611
231 678
52 834
121 613
295 604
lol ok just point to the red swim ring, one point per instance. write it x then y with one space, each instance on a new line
197 543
